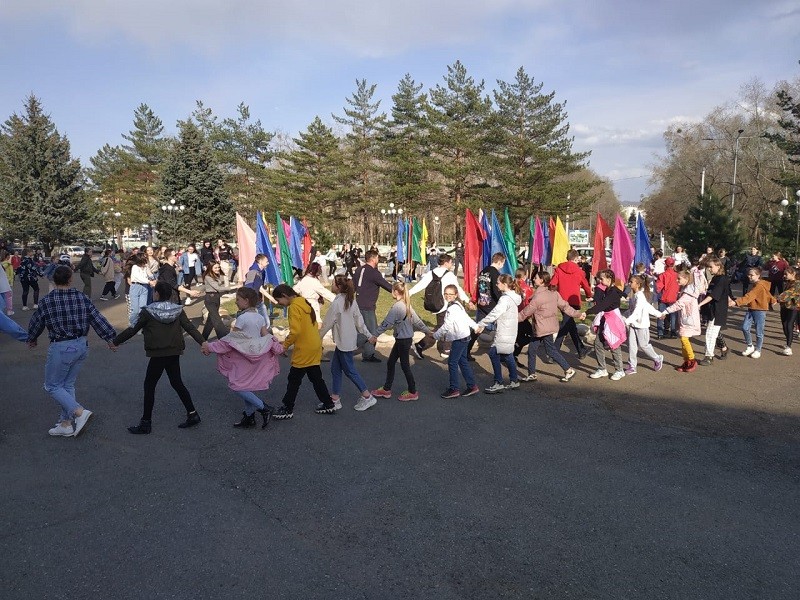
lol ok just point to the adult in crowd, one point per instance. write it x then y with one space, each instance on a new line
214 285
109 275
488 295
87 270
191 264
67 314
681 258
568 280
330 259
750 261
140 284
775 269
224 256
168 273
369 281
311 288
206 255
458 258
29 273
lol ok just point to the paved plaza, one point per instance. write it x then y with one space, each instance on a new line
662 485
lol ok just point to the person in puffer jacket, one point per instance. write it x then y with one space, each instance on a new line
504 315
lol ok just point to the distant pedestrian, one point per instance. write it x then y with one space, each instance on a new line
87 270
29 273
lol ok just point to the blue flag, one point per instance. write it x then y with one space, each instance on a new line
296 243
547 250
401 240
499 244
644 251
264 247
486 253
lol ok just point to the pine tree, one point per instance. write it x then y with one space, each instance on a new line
532 153
457 136
41 184
788 139
710 222
192 178
361 150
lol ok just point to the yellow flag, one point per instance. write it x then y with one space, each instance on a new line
560 244
423 243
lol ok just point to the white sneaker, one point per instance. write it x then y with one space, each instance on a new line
82 420
35 306
749 350
337 404
61 430
617 375
495 388
787 351
599 374
365 403
25 308
756 354
188 301
512 385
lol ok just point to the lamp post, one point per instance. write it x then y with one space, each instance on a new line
173 208
785 203
569 196
739 136
436 222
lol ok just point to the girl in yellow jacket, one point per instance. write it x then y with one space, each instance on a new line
307 355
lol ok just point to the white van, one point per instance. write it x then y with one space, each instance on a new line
72 251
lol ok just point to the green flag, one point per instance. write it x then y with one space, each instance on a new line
416 240
508 236
287 273
531 237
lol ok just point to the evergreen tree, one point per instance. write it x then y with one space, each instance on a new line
40 183
532 153
788 140
710 222
457 136
405 156
193 179
361 150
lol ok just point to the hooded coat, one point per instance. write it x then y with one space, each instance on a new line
162 324
505 314
568 279
303 335
247 363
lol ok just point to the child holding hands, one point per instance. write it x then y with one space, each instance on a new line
456 329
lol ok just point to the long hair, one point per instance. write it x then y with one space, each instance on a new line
208 271
510 282
285 291
345 286
400 287
642 281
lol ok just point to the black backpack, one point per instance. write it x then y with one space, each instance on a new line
434 301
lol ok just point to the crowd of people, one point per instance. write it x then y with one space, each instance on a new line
537 308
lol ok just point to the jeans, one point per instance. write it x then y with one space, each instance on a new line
64 360
550 348
252 403
262 310
138 299
568 326
673 319
371 321
458 361
497 367
757 317
342 362
442 346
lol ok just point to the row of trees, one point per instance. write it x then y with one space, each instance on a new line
436 153
756 136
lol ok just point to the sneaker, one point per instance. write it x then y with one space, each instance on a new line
787 351
512 385
495 388
658 363
325 410
35 306
63 431
337 404
10 313
382 393
599 374
417 351
707 361
690 366
24 308
143 428
81 421
748 351
450 393
630 370
723 353
365 403
407 396
529 377
371 359
756 354
192 419
246 421
116 297
445 355
568 374
104 298
470 391
188 301
617 375
282 413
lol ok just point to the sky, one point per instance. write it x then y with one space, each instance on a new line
626 69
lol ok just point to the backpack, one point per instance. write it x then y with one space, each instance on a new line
434 300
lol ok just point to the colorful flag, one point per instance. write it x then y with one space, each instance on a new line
499 244
416 239
547 249
511 244
473 246
601 232
622 251
560 244
264 246
246 241
296 242
531 239
307 258
538 243
486 252
287 273
424 244
644 251
401 241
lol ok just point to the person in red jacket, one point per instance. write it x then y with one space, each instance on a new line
568 279
667 287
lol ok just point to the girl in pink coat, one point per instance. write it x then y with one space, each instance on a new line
248 358
690 319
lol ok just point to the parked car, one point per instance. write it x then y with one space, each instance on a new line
72 251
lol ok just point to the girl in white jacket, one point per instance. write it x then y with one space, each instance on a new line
504 314
345 319
637 318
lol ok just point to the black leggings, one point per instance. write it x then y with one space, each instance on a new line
156 366
294 380
189 277
213 320
400 351
524 336
109 288
788 319
34 285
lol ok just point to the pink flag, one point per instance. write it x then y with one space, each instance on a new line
246 240
622 251
538 243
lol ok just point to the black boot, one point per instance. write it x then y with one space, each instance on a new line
266 413
246 421
192 419
142 428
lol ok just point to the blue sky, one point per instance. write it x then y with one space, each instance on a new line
627 69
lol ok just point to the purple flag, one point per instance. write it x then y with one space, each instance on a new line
622 251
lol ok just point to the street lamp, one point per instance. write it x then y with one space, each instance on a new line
785 203
436 222
739 136
173 208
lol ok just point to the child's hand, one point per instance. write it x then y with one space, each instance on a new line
373 340
479 329
204 349
112 347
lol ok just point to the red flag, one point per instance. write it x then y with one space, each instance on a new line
473 245
601 232
307 258
552 227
